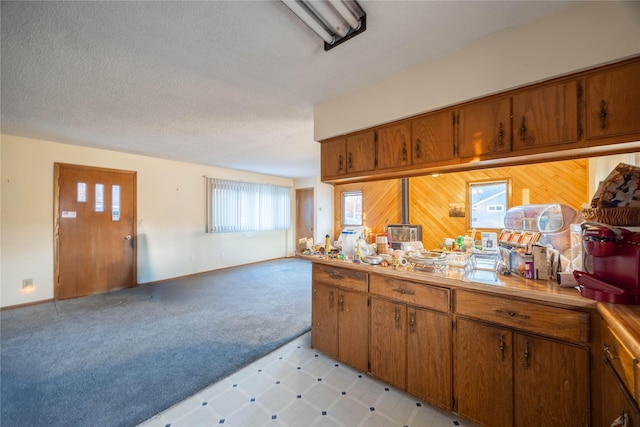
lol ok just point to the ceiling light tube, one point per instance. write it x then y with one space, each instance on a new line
346 14
327 13
303 13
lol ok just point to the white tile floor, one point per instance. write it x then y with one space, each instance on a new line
297 386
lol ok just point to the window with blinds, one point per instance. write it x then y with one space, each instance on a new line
236 206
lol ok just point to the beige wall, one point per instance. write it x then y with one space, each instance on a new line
171 217
582 36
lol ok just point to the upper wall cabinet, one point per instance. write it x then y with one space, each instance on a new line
394 146
347 155
541 122
613 105
361 152
546 116
333 155
484 128
433 138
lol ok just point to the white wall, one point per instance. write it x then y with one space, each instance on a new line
171 217
588 34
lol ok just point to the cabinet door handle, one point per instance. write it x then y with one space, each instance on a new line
349 161
526 353
603 114
397 317
404 151
500 135
501 346
621 421
523 131
341 302
412 322
340 163
403 291
331 299
511 313
610 354
418 152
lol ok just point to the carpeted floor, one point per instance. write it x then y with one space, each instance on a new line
119 358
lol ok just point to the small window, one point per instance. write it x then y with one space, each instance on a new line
352 208
488 202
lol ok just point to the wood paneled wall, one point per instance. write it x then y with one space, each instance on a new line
562 182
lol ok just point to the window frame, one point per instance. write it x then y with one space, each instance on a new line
470 202
343 214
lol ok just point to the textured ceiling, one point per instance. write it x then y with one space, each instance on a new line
222 83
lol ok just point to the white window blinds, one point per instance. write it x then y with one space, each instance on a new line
236 206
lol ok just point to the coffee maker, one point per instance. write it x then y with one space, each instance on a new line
611 263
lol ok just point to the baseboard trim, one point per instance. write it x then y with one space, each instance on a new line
27 304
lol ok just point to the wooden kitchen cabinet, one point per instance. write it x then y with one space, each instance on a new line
394 146
546 116
340 315
333 155
619 381
483 377
484 129
411 345
346 155
433 138
613 105
361 152
501 367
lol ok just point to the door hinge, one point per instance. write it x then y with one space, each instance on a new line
368 302
368 365
375 136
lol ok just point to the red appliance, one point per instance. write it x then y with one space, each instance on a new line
613 258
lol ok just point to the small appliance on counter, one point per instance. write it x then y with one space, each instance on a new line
611 263
349 237
400 233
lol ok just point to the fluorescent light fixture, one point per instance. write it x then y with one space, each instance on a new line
335 21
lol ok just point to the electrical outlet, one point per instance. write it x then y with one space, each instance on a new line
27 283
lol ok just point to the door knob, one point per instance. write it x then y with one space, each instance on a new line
127 237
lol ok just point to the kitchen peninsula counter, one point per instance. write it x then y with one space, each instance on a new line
512 285
532 316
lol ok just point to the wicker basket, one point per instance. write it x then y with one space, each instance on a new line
613 216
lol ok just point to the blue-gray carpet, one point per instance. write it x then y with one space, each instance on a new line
117 359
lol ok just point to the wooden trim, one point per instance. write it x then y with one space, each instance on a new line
27 304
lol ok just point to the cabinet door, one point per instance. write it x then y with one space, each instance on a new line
433 138
546 116
353 329
324 319
388 342
394 146
483 374
334 157
616 400
429 356
485 128
613 103
551 383
361 152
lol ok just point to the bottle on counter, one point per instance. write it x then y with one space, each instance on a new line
327 244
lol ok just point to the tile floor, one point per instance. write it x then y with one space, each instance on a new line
297 386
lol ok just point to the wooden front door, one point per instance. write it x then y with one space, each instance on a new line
304 214
95 217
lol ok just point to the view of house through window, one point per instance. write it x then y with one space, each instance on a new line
352 208
488 203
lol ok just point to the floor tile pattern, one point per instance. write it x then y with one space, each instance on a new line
297 386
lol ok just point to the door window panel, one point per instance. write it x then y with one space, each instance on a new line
115 203
99 207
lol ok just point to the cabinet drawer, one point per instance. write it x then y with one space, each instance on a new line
564 324
410 292
342 277
621 360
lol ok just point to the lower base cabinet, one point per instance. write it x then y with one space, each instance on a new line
339 324
410 348
507 378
